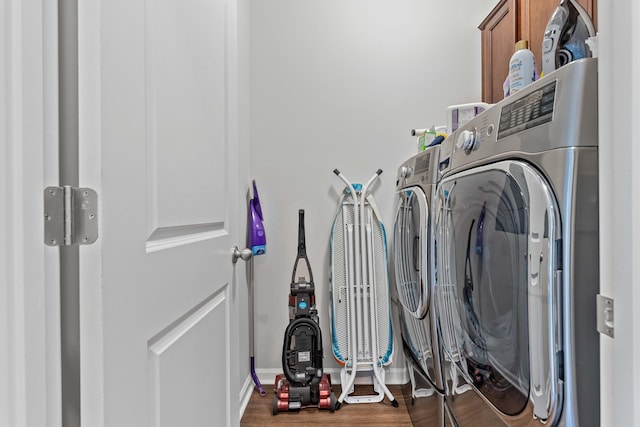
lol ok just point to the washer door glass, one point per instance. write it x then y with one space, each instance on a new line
497 233
410 251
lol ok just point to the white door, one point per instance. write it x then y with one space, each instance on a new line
158 100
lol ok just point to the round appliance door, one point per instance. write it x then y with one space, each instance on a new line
498 286
411 240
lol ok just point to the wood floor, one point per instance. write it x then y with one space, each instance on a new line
259 412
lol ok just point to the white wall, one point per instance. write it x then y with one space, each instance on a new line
339 84
619 152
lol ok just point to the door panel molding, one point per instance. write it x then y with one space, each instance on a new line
171 237
187 111
176 386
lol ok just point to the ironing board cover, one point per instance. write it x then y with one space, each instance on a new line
339 298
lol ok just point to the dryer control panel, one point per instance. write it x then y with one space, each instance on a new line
525 113
559 110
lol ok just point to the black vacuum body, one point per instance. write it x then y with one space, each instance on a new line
303 383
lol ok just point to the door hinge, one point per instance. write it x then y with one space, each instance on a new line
70 216
604 306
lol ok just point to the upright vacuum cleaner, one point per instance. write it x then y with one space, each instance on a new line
303 383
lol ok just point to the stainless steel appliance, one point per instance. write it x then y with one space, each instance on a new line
517 256
415 273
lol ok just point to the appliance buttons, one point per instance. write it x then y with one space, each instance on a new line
467 140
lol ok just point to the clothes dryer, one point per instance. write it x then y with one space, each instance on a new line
415 272
517 255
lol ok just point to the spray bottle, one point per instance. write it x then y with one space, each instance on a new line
256 240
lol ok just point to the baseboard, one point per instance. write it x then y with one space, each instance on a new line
245 394
393 376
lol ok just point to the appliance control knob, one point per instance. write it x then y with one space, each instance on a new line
467 140
405 172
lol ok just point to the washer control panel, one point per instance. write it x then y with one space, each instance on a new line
420 169
423 163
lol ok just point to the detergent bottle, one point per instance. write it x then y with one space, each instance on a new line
522 67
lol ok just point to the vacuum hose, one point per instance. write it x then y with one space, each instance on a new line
315 350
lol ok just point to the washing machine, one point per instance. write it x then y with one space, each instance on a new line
517 255
414 272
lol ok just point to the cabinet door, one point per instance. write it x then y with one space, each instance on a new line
499 33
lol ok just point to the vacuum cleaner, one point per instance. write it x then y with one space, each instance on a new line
303 383
257 242
565 36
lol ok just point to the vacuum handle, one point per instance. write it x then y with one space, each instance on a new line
302 250
302 247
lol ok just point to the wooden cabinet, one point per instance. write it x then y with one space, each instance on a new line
499 35
508 22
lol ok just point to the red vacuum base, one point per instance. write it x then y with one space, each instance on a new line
294 398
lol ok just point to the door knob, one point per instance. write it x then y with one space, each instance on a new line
245 254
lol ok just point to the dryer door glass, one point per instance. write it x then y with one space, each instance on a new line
410 251
497 229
